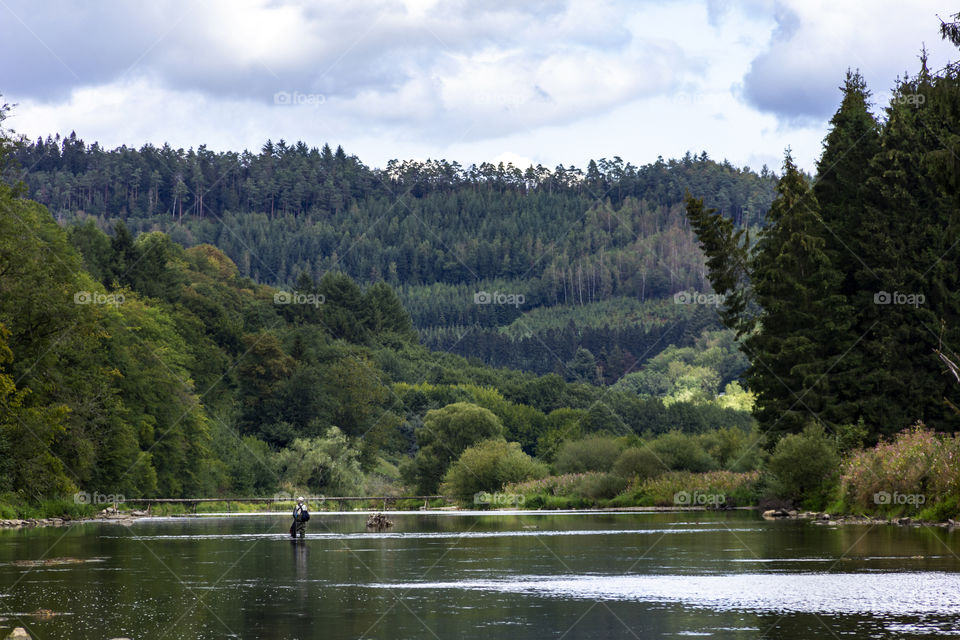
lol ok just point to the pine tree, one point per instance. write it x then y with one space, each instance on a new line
853 140
841 191
794 283
908 283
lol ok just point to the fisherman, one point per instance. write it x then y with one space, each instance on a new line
300 517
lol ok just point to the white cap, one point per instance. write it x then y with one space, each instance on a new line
300 499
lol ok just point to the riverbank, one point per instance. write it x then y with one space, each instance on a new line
109 514
65 510
825 518
122 516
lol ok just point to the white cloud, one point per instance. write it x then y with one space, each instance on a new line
550 82
817 40
509 157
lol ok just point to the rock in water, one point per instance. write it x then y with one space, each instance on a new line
19 634
378 521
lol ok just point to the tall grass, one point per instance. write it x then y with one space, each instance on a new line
918 472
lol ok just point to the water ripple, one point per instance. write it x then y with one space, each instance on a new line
904 593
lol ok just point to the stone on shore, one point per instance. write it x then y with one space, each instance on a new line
772 514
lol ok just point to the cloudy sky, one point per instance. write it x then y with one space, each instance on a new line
530 81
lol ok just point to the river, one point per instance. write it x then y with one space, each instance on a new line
469 575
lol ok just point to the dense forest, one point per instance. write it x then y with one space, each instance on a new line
435 231
135 366
852 289
189 323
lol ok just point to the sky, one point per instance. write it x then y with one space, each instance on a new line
527 81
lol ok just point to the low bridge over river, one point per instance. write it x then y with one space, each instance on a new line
383 502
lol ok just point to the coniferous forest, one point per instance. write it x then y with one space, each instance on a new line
183 323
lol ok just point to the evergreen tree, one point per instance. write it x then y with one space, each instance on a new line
795 285
782 296
841 191
908 284
842 170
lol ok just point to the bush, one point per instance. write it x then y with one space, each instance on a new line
594 453
601 486
322 464
682 452
803 467
445 435
918 462
13 506
488 466
638 463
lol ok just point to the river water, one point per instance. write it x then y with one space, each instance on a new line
468 575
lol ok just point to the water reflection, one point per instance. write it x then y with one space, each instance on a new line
831 593
479 576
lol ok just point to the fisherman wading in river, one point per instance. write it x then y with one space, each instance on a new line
300 517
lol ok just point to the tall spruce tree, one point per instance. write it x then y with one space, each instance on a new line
853 287
852 141
783 297
907 288
794 283
840 187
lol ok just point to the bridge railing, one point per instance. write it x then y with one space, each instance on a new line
314 500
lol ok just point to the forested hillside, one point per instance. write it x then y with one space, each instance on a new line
437 232
136 357
137 367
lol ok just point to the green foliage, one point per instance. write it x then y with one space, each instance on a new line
193 379
326 464
803 467
851 437
27 464
446 433
488 466
601 486
737 398
299 216
803 316
846 296
15 506
683 452
251 464
914 471
593 453
713 489
674 488
638 463
733 448
690 374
